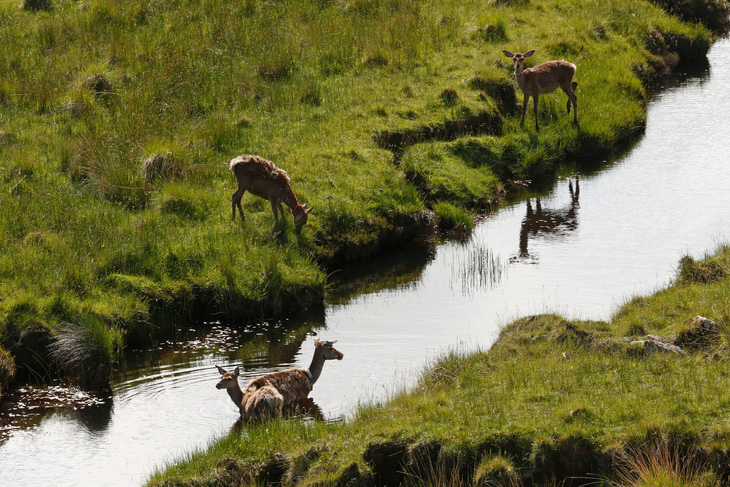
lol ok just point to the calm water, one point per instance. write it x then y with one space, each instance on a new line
581 251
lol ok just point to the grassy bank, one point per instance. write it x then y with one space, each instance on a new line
117 122
551 400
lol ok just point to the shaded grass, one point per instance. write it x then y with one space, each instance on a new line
551 401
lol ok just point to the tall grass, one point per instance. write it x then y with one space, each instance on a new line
661 465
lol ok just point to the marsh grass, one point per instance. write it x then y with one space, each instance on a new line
663 465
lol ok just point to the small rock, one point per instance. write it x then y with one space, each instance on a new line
652 346
702 323
699 332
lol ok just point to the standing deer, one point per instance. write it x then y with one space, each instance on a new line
269 394
544 78
262 178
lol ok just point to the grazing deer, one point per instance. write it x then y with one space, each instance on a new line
269 394
544 78
262 178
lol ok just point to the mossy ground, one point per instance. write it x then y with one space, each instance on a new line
552 400
90 91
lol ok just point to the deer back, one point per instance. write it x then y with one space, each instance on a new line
290 383
262 402
547 77
262 178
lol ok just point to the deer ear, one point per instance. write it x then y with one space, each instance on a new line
309 210
221 369
529 53
332 342
508 54
236 372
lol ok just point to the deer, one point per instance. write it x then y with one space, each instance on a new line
268 395
262 178
544 78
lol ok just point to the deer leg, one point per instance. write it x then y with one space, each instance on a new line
535 100
275 208
524 109
236 202
572 99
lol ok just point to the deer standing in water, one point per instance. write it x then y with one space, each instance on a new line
544 78
263 179
269 394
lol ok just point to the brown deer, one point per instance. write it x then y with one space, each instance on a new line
269 394
544 78
263 179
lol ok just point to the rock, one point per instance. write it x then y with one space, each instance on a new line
699 332
652 346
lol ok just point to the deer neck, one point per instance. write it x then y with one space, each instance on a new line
236 395
315 368
289 198
520 76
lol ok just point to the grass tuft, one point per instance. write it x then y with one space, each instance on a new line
90 350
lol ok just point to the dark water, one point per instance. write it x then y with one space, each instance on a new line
582 250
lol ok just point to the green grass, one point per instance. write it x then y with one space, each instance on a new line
551 399
117 121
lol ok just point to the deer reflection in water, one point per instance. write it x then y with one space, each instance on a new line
542 221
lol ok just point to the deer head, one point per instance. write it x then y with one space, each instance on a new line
229 379
301 213
519 59
328 351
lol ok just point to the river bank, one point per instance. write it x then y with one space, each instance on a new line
553 400
123 256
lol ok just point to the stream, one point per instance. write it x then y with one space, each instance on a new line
582 249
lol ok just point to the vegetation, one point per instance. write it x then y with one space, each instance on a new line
551 401
117 121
